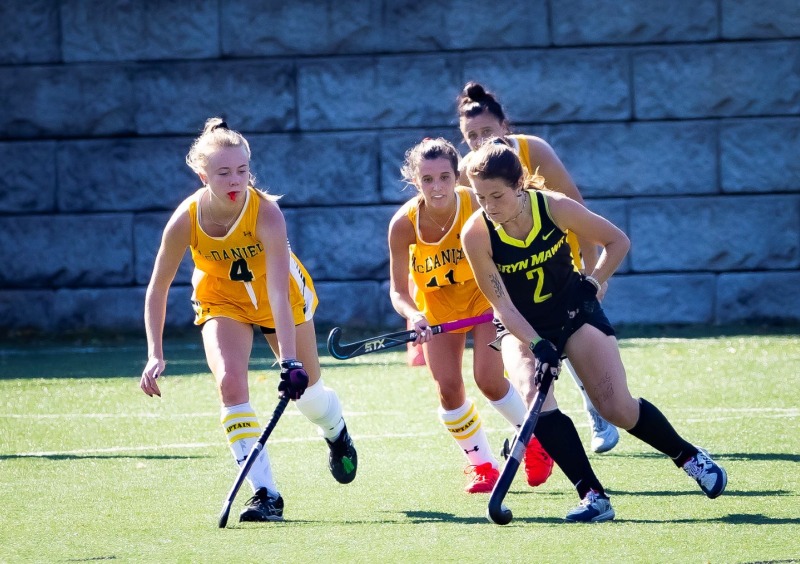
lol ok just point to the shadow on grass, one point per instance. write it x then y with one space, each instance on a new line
728 493
101 456
732 519
738 456
426 517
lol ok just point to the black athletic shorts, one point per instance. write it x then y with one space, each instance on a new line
596 318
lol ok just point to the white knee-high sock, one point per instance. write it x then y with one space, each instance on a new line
512 407
466 427
587 403
321 406
242 429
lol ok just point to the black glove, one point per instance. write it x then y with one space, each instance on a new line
294 379
545 353
585 295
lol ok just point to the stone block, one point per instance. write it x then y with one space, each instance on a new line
351 305
180 96
338 244
99 30
30 32
124 174
580 22
26 310
758 297
760 155
639 159
306 27
67 101
311 27
456 25
391 321
28 183
723 80
45 251
660 299
147 232
753 19
615 211
715 234
116 309
318 169
554 85
377 92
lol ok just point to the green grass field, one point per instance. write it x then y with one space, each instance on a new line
91 469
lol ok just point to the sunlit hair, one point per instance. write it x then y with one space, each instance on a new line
474 100
495 159
216 135
426 150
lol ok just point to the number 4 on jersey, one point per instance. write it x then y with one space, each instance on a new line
240 272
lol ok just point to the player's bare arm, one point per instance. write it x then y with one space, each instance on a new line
569 215
477 248
174 242
558 179
271 231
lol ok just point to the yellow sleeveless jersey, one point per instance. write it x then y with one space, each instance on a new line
524 152
230 276
445 286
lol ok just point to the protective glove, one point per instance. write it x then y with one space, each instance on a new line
545 352
294 379
586 295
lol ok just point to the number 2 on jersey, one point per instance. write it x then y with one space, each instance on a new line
538 274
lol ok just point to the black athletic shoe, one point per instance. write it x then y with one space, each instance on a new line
343 459
262 507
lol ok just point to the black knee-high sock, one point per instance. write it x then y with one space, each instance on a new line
654 429
560 439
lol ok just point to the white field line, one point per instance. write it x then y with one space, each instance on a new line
761 413
767 412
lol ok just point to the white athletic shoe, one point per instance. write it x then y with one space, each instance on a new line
592 509
604 435
710 476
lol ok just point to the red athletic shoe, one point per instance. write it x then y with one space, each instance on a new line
538 464
484 477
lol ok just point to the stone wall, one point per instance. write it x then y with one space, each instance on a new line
680 124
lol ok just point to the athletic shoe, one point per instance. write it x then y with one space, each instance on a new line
484 477
593 508
262 507
343 458
538 464
710 476
604 435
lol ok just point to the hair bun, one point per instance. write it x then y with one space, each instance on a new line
475 91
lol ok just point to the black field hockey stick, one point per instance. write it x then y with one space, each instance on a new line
251 458
497 512
343 351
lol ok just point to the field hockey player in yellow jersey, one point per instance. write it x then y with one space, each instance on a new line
245 275
480 117
516 246
425 240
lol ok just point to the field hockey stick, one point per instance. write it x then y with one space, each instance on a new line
251 458
497 512
343 351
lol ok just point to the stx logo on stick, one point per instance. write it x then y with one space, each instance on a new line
375 345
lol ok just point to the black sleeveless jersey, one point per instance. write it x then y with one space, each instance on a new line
538 273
